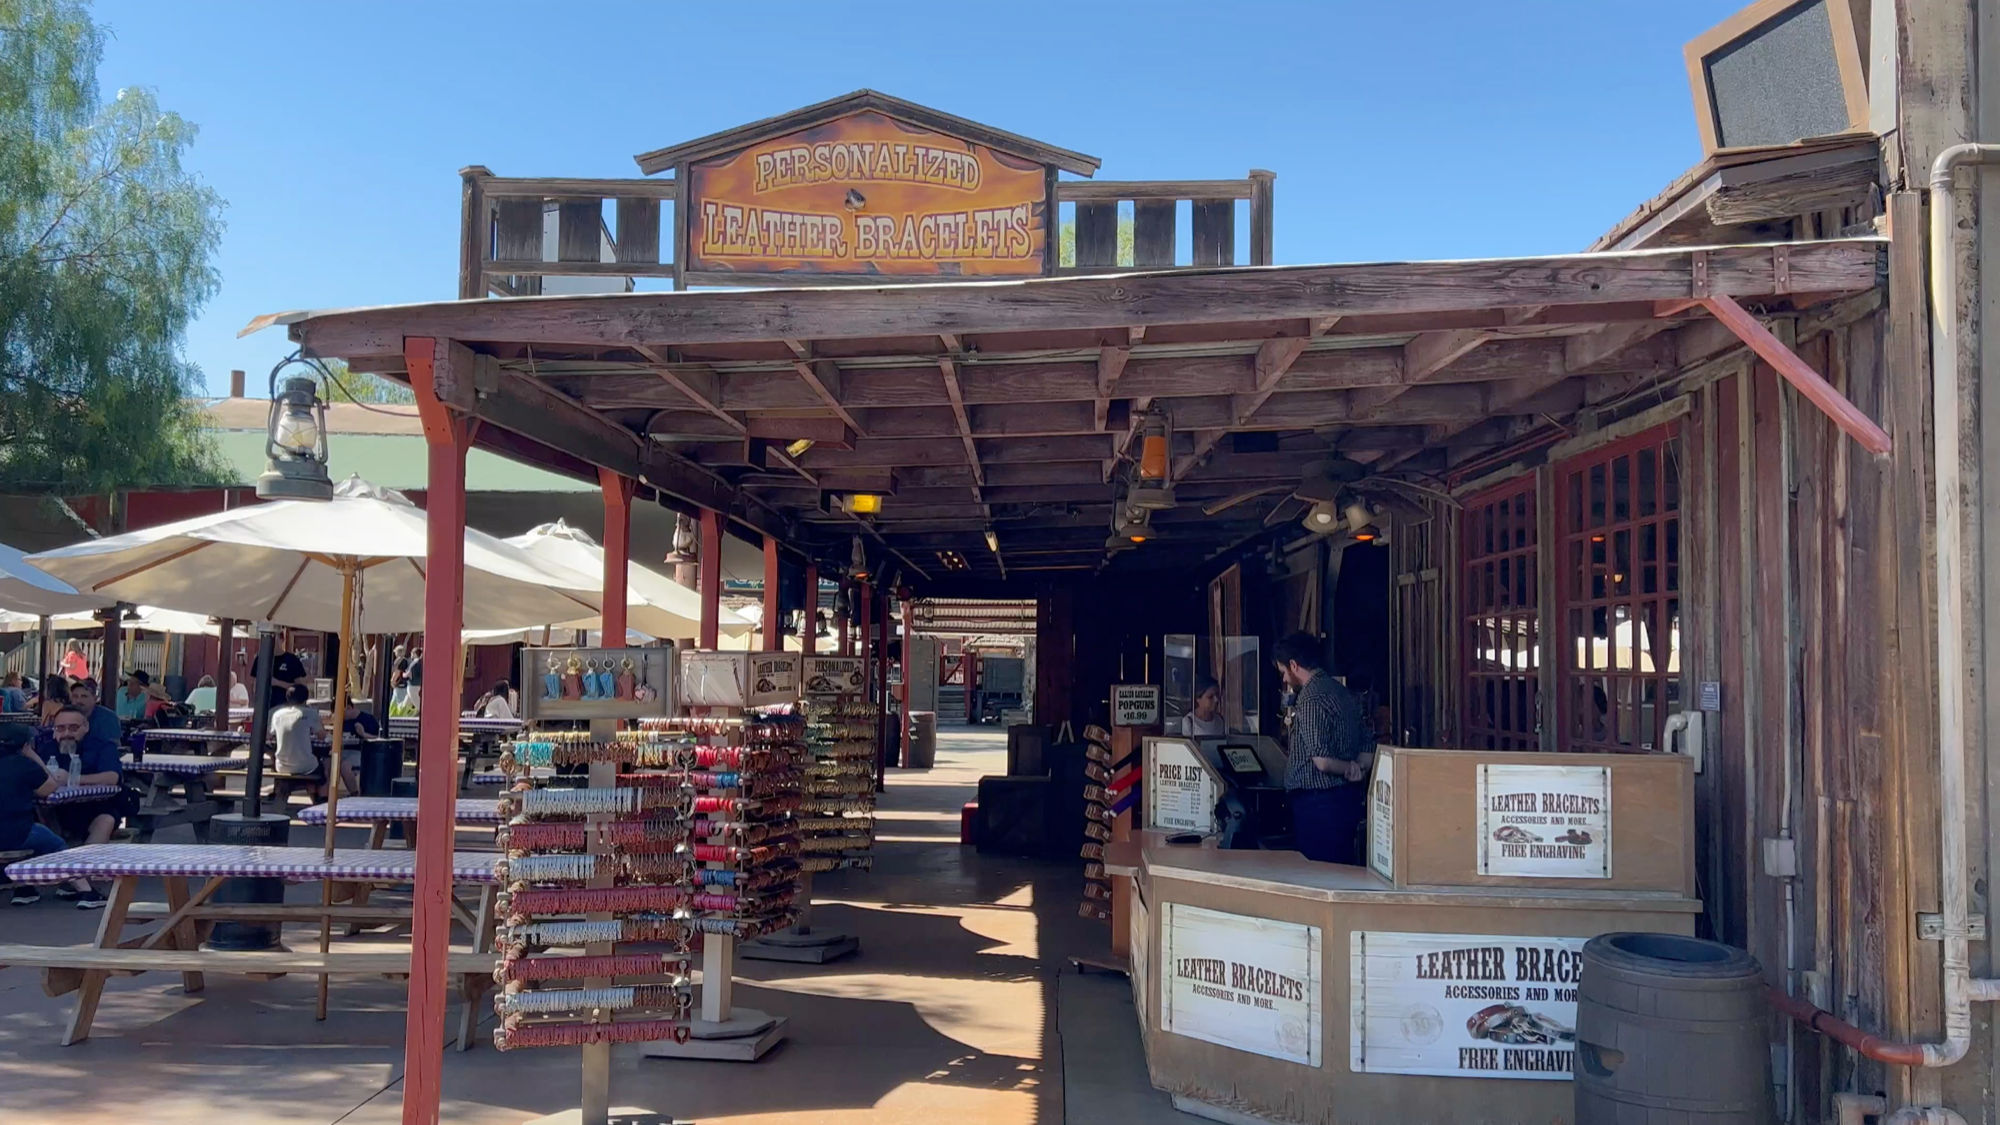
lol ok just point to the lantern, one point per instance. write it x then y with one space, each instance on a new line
857 563
1153 489
295 444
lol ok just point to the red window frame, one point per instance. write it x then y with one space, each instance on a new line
1618 598
1500 618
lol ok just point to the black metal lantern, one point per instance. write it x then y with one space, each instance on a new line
295 442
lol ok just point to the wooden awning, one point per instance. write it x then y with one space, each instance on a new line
1007 406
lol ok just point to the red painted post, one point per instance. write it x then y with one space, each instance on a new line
448 436
710 566
774 618
882 689
909 629
809 632
864 611
617 552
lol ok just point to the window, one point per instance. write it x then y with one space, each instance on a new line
1618 581
1500 600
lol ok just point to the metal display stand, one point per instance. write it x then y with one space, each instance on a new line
799 942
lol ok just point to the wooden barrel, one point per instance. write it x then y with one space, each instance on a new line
1670 1029
923 740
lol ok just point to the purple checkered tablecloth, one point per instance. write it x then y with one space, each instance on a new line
472 811
206 861
189 764
70 794
406 725
178 734
490 778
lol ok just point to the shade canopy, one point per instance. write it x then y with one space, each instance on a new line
654 604
282 563
28 590
150 618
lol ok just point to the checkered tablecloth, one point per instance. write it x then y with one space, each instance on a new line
474 811
206 861
70 794
191 735
405 726
189 764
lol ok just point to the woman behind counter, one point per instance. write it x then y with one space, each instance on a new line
1206 720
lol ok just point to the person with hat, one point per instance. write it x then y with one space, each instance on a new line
25 780
131 703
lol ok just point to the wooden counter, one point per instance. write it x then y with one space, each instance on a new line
1244 972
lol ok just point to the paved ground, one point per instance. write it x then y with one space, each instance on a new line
957 1009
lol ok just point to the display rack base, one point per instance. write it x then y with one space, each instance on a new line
809 948
1217 1113
622 1115
746 1036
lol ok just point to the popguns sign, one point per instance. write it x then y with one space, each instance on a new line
868 194
1464 1005
1550 822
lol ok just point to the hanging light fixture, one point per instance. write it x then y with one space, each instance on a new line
843 605
1322 517
1153 489
857 562
819 624
295 440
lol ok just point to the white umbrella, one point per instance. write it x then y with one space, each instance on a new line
32 592
150 617
654 604
351 565
281 562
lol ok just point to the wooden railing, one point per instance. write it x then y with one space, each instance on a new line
502 240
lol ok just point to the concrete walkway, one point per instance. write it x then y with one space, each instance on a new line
960 1008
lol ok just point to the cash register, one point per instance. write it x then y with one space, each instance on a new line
1252 811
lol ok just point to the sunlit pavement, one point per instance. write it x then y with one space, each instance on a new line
960 1007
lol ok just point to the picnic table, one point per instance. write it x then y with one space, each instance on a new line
175 944
380 812
162 773
71 794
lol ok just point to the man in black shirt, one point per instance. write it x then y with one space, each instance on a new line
286 670
1326 757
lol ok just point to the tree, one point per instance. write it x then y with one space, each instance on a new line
363 386
1066 243
105 244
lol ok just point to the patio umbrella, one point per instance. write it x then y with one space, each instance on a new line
28 590
351 565
654 604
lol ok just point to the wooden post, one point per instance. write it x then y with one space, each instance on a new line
449 436
47 659
808 631
107 664
710 564
617 553
474 234
1261 184
225 673
864 611
909 628
773 626
846 640
882 687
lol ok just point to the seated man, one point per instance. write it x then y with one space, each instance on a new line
103 720
294 728
24 780
82 757
201 700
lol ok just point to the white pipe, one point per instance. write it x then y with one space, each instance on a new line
1959 987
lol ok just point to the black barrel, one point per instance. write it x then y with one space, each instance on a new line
1671 1029
272 829
381 765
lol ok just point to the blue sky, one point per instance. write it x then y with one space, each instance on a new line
1453 128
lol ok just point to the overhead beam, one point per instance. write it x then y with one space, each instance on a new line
1273 361
699 384
1208 296
822 377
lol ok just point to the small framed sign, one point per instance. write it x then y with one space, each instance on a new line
596 683
834 675
1135 705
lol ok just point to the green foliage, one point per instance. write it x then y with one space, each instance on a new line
105 243
363 386
1066 243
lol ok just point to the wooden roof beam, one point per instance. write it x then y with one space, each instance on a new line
823 377
1274 359
1111 360
699 384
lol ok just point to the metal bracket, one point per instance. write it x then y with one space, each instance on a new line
1930 927
1781 268
1698 284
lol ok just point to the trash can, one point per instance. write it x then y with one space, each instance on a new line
399 830
381 765
1670 1030
923 740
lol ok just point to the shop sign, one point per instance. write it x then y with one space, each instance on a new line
1247 983
868 194
1463 1005
1181 793
1135 705
1548 822
1382 819
833 675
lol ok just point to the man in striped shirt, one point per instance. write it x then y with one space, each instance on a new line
1327 755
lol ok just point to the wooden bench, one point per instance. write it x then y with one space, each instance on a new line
175 944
